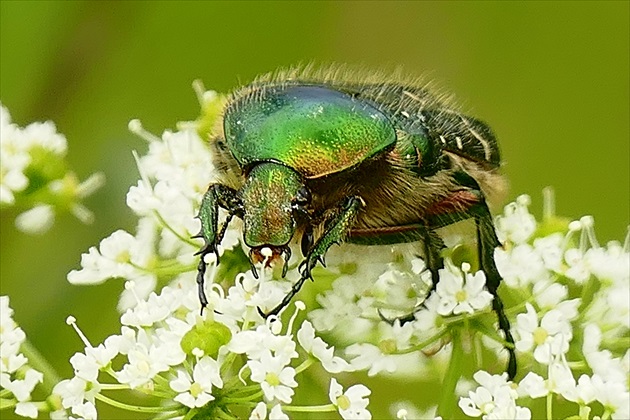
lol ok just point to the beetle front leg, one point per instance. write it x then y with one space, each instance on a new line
338 228
217 196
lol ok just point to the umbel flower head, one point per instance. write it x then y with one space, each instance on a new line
563 293
34 176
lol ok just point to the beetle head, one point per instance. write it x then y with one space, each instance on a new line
269 196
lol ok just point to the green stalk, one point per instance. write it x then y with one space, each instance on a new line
39 362
309 408
129 407
448 399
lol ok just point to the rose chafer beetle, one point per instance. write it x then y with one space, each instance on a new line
330 156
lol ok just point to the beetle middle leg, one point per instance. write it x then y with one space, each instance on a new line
338 227
473 205
462 204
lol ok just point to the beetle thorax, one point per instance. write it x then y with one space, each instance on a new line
267 198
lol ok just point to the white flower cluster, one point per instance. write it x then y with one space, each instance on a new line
193 362
227 361
230 363
545 273
17 378
34 176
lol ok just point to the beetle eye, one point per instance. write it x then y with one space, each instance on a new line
303 196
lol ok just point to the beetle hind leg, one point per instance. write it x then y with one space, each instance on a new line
487 242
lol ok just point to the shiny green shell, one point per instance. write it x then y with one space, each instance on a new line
313 129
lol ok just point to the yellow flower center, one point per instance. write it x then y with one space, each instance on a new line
123 257
272 379
343 402
461 296
195 389
143 366
540 335
387 346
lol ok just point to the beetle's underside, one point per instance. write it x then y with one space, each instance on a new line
440 169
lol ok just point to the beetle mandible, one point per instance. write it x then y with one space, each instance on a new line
362 159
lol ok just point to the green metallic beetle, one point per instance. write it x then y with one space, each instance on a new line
330 156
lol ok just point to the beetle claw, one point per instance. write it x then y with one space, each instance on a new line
253 269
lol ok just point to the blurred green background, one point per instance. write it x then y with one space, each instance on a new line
551 78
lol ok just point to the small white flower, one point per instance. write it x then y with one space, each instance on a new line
477 403
516 224
338 305
277 414
351 404
146 312
275 378
578 269
549 338
371 357
457 297
493 382
37 220
75 391
26 409
584 391
22 388
520 266
85 411
496 402
533 386
259 412
550 250
613 395
144 363
560 378
318 348
548 294
263 341
197 391
112 260
427 318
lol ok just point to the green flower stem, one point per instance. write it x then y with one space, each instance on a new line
161 381
228 362
7 403
242 400
39 362
129 407
114 387
448 399
165 225
550 406
581 365
425 343
170 414
309 408
304 365
223 415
